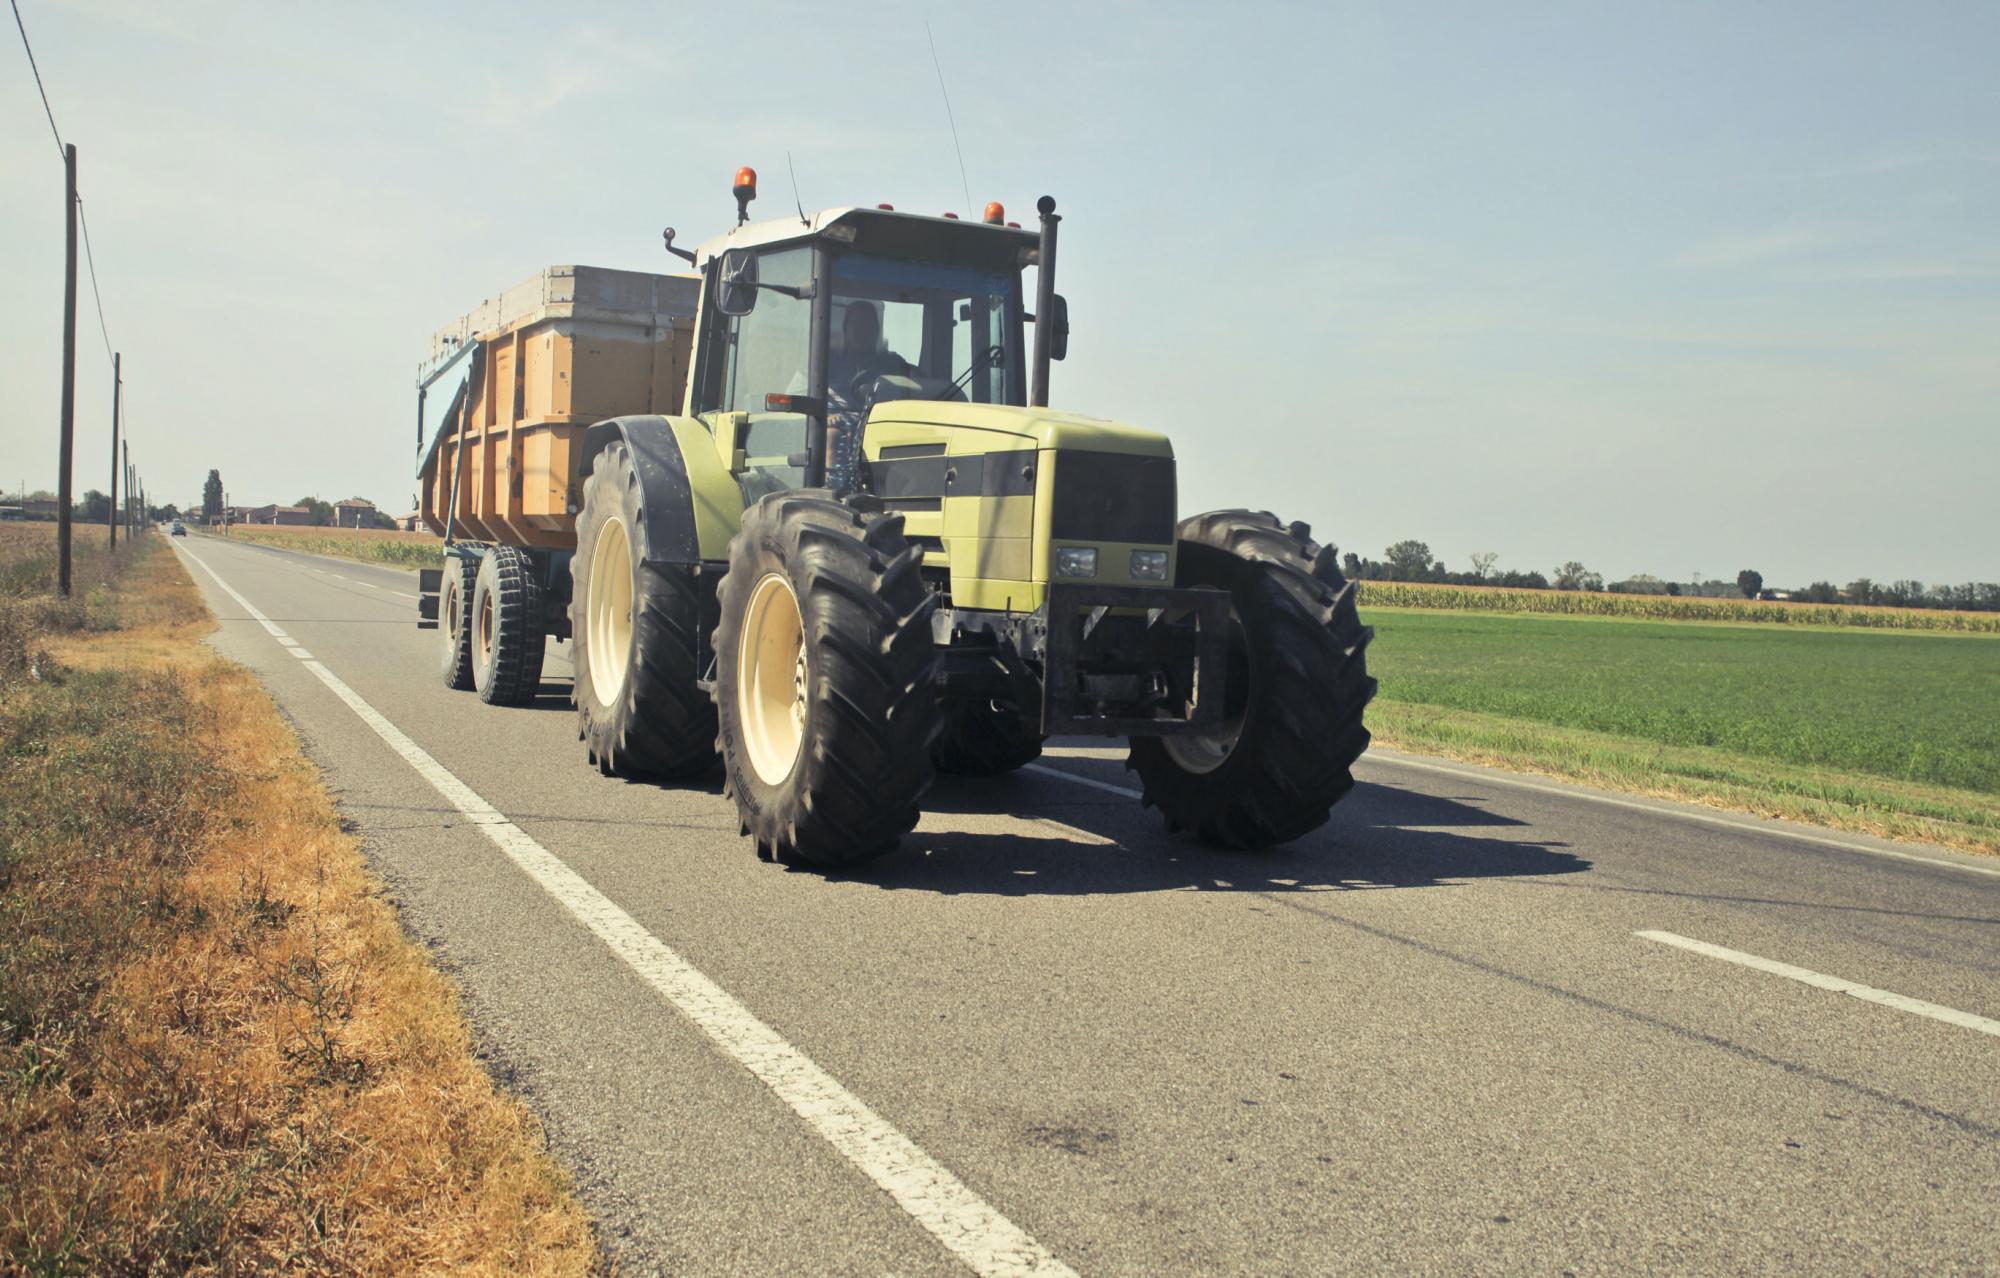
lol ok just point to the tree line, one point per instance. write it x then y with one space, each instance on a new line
1413 561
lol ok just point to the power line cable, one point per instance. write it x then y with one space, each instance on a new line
62 153
46 108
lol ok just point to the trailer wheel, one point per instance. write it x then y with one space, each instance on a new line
1294 692
634 629
824 679
982 739
507 628
461 573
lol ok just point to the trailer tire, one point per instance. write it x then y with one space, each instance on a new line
508 634
1296 687
824 679
982 739
460 577
640 708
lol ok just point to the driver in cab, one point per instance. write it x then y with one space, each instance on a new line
862 357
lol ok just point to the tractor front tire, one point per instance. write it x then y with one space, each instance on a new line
1294 692
635 633
982 739
824 679
508 638
461 576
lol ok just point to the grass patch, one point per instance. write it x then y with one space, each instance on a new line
217 1051
1581 603
1894 734
369 545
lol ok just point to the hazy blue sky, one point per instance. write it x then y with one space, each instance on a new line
1665 288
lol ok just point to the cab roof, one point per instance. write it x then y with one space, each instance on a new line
891 233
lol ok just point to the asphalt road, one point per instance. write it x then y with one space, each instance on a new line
1429 1038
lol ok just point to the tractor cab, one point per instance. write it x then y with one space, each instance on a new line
806 324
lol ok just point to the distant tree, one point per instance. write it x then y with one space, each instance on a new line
1674 588
318 513
95 507
1861 591
1482 564
1749 581
1638 584
1574 576
211 497
1821 592
1410 560
163 514
380 520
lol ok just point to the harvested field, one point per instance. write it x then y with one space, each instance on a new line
368 545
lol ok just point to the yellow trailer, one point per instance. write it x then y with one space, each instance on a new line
507 390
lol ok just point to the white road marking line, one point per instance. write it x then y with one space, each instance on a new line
987 1242
1397 761
1819 980
1046 771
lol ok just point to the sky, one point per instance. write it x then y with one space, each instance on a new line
1670 289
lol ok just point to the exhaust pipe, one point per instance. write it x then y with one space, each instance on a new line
1045 304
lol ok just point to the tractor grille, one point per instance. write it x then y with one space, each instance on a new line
1113 497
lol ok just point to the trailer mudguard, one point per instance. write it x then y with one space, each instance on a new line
692 503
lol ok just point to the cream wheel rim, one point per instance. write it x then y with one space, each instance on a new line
1201 755
771 679
608 621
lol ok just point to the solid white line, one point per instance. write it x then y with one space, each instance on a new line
1046 771
964 1222
1397 761
1819 980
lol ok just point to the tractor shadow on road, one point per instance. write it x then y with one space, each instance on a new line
1380 836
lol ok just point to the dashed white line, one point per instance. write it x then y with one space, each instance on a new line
1074 779
986 1241
1819 980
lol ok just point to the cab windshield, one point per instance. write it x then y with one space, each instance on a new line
918 330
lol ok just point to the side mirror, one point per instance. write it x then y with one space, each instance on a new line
1059 334
736 283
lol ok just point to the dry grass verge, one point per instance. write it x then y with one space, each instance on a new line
218 1053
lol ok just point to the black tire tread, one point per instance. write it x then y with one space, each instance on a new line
463 571
519 637
1304 730
979 741
872 710
664 723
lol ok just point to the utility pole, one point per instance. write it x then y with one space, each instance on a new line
68 373
112 512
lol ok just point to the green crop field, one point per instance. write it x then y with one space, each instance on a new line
1770 717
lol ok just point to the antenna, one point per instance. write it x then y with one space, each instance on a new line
795 189
946 95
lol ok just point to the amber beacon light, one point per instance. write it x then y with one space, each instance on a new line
995 214
746 191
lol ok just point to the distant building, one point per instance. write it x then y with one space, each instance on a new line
354 512
412 522
278 515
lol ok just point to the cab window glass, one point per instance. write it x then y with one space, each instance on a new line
767 349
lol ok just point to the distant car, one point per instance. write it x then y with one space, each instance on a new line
179 529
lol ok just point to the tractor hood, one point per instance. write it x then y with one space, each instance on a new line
1043 427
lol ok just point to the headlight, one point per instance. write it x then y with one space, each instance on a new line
1076 561
1149 565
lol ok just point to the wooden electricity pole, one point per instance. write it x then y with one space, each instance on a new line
63 487
112 512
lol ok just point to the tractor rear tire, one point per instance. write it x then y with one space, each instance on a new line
508 638
981 739
1296 686
635 630
824 679
461 575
